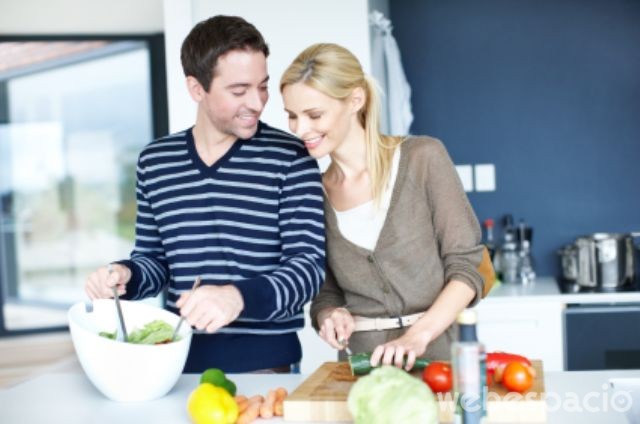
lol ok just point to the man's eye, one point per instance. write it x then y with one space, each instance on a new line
264 88
315 116
292 116
238 93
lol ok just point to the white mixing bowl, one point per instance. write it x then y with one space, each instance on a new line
124 371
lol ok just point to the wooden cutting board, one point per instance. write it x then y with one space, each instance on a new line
323 397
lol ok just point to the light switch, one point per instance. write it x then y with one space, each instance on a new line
485 177
466 176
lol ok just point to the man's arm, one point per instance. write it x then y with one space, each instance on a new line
283 292
148 265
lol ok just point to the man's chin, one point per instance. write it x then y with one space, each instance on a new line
246 132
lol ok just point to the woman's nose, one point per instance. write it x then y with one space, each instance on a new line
301 127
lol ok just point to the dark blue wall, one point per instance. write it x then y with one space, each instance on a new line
548 91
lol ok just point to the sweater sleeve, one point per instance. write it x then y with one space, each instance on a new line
330 296
148 265
282 293
456 225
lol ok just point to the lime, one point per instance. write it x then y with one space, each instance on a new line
213 376
229 386
216 377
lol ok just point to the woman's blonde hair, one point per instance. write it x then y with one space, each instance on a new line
336 72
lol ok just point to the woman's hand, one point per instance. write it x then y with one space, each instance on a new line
410 345
336 326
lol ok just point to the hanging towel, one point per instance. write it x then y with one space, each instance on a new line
396 116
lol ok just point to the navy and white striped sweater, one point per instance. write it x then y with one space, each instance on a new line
254 219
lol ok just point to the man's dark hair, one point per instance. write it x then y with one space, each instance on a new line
214 37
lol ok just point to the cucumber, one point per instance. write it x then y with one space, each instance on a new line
360 363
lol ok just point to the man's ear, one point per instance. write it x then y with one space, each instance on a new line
358 99
196 91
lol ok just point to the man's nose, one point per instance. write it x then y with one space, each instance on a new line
256 100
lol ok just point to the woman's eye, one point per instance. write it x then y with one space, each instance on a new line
315 116
292 117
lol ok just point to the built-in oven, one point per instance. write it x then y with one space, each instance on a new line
602 336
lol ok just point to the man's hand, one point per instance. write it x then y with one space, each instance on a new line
211 307
100 283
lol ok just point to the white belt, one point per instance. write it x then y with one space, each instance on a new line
378 324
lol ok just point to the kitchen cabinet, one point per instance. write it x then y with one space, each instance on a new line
532 329
530 319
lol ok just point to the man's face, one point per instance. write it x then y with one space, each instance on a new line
238 93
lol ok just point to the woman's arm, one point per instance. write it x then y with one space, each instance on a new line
452 299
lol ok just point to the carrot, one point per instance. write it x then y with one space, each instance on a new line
250 414
242 402
256 399
278 408
266 409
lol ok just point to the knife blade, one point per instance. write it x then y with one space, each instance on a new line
345 344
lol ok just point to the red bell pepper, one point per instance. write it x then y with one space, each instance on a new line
497 359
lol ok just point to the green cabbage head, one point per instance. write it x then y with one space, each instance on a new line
390 395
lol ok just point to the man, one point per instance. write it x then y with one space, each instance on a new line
230 200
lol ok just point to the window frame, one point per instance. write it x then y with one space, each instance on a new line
155 43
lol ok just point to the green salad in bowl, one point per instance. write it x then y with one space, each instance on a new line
154 332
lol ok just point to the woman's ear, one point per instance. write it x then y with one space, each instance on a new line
196 91
358 99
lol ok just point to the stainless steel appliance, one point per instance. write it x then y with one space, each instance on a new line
601 260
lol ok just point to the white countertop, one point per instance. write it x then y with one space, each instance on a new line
545 289
69 397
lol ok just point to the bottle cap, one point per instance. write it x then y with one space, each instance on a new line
467 317
488 222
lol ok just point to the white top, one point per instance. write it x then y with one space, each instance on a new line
362 224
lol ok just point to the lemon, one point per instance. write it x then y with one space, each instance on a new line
208 404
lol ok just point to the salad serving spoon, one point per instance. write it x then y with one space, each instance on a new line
121 334
175 332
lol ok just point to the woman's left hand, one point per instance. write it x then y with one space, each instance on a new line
410 345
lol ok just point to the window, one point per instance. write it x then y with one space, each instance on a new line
74 114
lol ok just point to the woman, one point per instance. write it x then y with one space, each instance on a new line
403 244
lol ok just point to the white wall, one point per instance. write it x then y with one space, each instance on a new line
80 16
288 26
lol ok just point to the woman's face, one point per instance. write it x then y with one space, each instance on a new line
321 121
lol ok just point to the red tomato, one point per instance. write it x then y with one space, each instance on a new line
438 376
517 377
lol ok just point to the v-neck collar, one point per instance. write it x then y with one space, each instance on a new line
333 221
205 169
